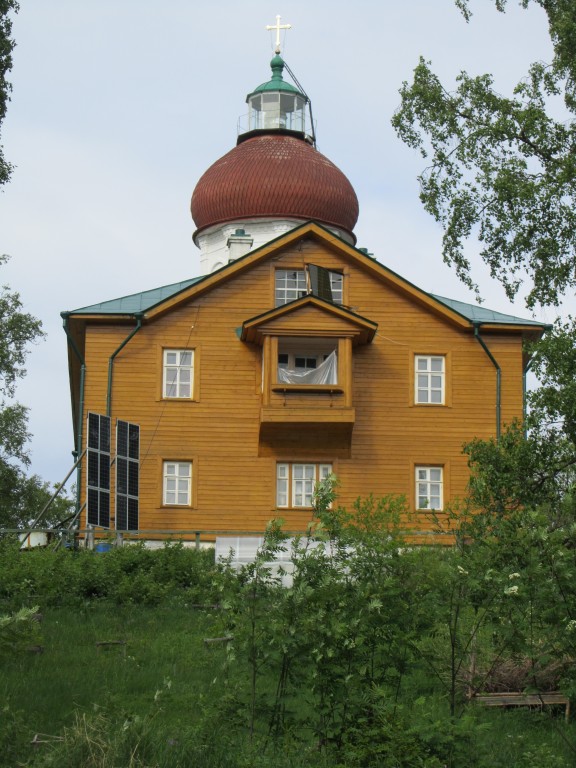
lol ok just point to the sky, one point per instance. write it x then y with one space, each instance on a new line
119 106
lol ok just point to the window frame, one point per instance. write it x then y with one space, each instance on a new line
193 368
166 476
301 286
428 481
322 470
429 373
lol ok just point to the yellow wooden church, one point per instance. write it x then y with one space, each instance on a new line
217 403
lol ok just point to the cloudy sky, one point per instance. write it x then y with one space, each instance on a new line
119 106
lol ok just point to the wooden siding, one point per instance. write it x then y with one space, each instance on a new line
234 465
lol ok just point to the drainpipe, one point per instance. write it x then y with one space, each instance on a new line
525 373
139 318
79 416
498 376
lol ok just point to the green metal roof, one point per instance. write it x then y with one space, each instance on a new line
277 83
142 302
477 314
136 302
147 300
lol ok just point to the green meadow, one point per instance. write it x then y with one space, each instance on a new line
163 658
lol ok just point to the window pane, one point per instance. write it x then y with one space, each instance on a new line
186 358
437 364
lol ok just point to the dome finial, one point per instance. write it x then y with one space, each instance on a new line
278 27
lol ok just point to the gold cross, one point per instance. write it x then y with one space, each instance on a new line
278 27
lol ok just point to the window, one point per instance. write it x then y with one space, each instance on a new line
178 483
295 483
178 373
429 379
429 484
291 284
307 361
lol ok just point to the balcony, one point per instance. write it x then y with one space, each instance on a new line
307 348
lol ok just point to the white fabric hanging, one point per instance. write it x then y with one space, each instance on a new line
325 373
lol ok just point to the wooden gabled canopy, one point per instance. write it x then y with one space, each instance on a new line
309 316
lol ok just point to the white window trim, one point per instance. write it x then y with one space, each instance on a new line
281 290
292 484
177 482
179 370
429 487
428 373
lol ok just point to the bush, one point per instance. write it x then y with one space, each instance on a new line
131 574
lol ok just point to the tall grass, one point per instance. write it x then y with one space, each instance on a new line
158 696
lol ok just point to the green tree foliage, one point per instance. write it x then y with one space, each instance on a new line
371 628
18 330
553 404
503 168
6 48
534 465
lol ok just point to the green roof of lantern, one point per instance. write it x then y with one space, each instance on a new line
277 83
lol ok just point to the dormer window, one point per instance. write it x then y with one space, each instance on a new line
291 284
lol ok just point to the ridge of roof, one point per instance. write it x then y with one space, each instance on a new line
137 303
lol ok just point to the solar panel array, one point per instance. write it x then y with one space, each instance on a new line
99 475
127 475
98 480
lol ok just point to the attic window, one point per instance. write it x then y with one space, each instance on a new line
292 284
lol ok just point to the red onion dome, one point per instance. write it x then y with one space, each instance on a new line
274 175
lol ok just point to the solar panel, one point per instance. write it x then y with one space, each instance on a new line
98 470
127 475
